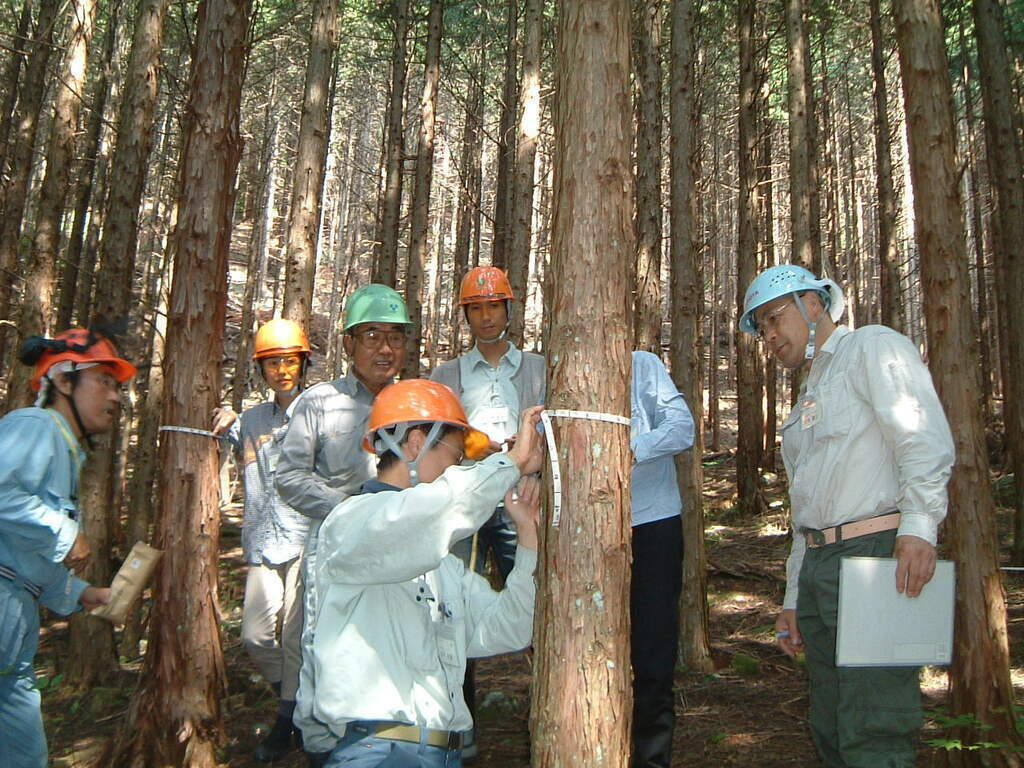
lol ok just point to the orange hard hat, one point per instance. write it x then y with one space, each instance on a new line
485 284
280 337
78 345
419 401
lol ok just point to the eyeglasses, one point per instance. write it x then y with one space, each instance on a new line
291 363
460 454
771 319
374 338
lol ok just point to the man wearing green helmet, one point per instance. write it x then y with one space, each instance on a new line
322 461
868 453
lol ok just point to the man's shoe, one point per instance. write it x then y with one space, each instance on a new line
279 741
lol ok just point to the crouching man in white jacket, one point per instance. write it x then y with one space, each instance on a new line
398 615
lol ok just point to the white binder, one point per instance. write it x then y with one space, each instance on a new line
879 627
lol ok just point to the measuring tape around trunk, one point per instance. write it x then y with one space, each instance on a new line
191 431
556 472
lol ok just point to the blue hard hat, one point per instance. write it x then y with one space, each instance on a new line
783 280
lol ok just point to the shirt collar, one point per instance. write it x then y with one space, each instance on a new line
376 486
512 354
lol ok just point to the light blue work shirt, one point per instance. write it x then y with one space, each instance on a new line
40 460
660 427
489 394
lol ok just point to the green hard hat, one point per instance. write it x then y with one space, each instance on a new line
375 303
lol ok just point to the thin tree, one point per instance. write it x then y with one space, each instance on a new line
1006 166
385 248
418 245
175 715
582 691
310 166
801 120
687 308
748 368
647 87
525 165
10 78
979 681
36 314
506 150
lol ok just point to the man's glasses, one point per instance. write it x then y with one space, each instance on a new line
459 453
374 338
771 319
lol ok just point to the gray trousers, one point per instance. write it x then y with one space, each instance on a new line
272 622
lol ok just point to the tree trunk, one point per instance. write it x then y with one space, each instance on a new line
647 87
421 190
10 79
801 117
385 250
175 715
979 676
687 307
36 314
582 701
30 100
1005 166
748 368
525 167
888 257
503 199
310 166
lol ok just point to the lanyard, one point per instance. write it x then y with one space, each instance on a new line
76 450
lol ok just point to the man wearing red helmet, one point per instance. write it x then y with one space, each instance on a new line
397 613
78 376
273 533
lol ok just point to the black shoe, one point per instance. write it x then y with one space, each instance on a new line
279 742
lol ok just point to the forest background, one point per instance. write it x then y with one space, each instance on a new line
200 168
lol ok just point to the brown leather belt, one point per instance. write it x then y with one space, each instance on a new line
415 735
846 531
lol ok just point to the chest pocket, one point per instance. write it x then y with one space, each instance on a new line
835 410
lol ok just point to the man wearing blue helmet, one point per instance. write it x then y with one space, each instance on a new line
868 453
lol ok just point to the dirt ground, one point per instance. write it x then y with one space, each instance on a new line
750 712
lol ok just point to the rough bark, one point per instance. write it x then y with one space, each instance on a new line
888 257
686 343
1006 166
979 676
175 715
525 166
310 166
582 701
36 314
748 368
12 72
647 87
801 116
385 250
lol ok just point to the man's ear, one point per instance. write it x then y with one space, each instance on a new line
415 438
348 343
63 384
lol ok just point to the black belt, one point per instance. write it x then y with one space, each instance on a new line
10 575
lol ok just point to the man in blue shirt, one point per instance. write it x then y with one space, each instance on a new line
661 427
78 376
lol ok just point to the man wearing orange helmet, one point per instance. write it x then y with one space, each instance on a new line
397 613
495 382
273 534
78 376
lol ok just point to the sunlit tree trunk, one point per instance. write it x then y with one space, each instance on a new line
979 682
687 307
801 120
582 700
310 166
175 715
503 198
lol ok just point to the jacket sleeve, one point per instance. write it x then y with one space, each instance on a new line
671 423
296 479
393 536
501 622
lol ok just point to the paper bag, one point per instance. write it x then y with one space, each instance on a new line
129 582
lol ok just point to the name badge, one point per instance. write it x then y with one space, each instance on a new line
810 412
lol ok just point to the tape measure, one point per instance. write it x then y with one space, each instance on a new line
556 472
191 431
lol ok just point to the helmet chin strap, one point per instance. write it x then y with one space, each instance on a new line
812 327
500 337
392 441
46 383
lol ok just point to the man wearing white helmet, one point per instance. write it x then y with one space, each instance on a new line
868 453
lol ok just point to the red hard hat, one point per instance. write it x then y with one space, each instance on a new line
485 284
82 346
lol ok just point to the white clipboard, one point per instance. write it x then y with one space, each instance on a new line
879 627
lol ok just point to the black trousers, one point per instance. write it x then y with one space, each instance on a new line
654 615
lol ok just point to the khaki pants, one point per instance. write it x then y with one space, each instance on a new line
272 622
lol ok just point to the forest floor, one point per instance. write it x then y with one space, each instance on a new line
750 712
